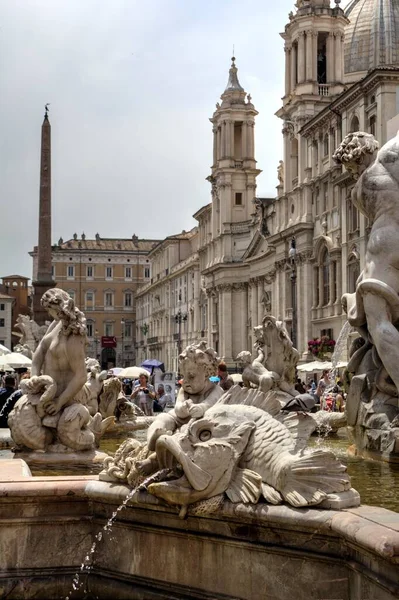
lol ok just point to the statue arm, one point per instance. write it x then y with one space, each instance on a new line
164 423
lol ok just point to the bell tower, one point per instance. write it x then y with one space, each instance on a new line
314 74
234 172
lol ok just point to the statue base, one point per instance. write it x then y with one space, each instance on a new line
63 459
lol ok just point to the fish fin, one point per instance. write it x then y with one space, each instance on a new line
267 401
245 486
73 411
311 476
270 494
300 427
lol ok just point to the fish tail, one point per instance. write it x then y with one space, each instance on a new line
311 476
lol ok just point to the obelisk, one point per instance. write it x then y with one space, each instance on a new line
44 279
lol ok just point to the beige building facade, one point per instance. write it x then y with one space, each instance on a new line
169 309
6 308
102 275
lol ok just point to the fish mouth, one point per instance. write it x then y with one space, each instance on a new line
169 453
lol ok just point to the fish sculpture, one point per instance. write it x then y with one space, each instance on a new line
245 453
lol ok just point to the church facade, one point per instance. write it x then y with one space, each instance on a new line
294 255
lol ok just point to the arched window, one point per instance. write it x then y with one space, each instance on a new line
325 266
355 125
326 144
353 271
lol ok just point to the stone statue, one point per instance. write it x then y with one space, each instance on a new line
255 372
197 363
280 172
239 446
31 334
50 415
374 307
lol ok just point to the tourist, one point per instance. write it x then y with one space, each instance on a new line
322 385
6 403
299 386
226 381
164 398
144 394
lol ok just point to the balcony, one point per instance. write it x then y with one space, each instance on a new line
152 340
323 90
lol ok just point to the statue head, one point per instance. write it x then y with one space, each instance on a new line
244 358
197 363
356 152
61 306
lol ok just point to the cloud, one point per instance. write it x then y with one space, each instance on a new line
132 86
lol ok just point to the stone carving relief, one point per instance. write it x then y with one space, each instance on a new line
54 412
373 310
240 445
30 334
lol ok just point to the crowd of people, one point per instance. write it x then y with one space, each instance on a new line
329 395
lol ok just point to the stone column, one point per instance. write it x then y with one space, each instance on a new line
232 149
244 317
225 325
301 57
244 140
260 305
293 69
219 142
215 145
251 140
331 281
210 317
287 50
223 136
309 56
254 303
315 283
314 56
307 302
330 57
228 139
338 305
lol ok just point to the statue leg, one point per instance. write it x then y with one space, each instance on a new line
384 334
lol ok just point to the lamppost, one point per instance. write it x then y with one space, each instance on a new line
122 332
144 330
292 256
179 319
96 342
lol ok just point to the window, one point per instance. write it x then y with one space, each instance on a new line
128 299
128 272
325 197
147 272
238 198
70 272
128 329
2 322
108 272
353 217
90 328
325 265
2 306
372 124
89 272
325 144
108 329
327 333
109 299
52 271
89 300
355 126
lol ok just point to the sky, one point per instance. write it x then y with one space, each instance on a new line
131 87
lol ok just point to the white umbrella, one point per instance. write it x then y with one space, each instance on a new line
314 366
4 350
133 373
14 360
236 377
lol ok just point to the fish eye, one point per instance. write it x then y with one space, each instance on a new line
205 435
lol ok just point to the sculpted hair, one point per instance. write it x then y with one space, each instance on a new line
354 147
201 354
73 320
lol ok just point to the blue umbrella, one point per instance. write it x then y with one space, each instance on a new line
214 379
153 363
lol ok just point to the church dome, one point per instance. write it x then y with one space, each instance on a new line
372 36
